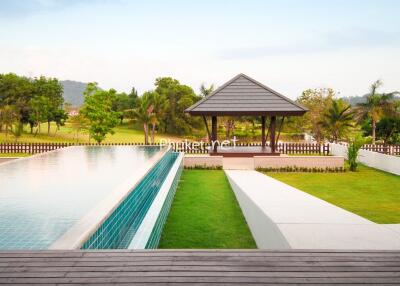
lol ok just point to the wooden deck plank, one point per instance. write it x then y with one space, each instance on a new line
198 273
216 267
222 260
247 263
199 268
194 279
202 260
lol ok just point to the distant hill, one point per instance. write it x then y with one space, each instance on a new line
73 92
354 100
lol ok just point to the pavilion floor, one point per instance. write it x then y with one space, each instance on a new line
243 151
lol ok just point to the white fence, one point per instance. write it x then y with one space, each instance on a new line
376 160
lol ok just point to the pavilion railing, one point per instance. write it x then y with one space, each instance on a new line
187 147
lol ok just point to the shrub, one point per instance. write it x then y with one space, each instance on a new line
352 153
288 169
203 167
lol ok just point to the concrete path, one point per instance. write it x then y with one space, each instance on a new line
283 217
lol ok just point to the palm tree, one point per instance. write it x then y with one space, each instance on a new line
375 106
144 114
337 119
159 103
205 91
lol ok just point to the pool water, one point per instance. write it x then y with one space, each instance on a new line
41 197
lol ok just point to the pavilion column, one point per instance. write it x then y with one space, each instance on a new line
272 131
263 139
214 132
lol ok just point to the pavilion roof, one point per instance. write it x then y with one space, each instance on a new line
243 95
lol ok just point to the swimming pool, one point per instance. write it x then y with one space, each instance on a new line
70 198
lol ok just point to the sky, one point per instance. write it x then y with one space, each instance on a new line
289 45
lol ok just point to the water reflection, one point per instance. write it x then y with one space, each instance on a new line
41 197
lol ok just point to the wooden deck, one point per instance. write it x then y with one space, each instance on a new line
200 267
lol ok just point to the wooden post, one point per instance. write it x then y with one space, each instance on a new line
214 132
272 132
280 129
263 139
208 130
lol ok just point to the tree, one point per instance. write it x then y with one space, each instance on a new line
133 97
388 129
8 116
17 92
79 123
206 91
50 91
375 106
317 101
229 125
179 97
122 103
159 104
97 108
60 116
40 108
143 113
337 119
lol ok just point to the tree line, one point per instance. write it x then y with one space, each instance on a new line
30 101
33 101
159 110
333 119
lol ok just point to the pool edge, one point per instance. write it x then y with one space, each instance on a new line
83 229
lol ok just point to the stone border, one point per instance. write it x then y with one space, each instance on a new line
9 159
299 161
280 217
251 163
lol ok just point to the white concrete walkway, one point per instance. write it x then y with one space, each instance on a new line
282 217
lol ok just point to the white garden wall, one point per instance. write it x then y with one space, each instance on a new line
376 160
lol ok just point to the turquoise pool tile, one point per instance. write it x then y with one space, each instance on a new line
119 228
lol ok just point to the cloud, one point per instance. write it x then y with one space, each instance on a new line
16 8
327 42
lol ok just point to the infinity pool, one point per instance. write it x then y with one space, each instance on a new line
44 196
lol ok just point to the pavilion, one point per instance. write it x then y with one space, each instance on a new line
244 96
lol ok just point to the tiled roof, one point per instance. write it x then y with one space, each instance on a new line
243 95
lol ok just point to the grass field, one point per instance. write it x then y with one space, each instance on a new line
205 214
7 155
370 193
123 134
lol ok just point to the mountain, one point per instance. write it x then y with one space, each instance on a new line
354 100
73 92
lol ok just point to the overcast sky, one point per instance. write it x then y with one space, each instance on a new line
287 45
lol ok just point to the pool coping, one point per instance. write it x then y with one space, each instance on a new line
34 155
283 217
81 231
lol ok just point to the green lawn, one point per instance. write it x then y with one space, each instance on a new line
124 133
370 193
205 214
7 155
